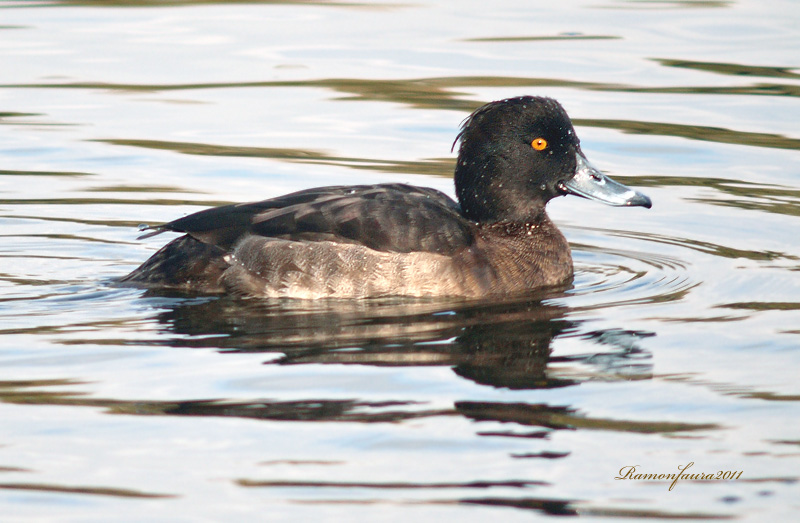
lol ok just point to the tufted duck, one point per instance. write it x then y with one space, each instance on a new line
399 240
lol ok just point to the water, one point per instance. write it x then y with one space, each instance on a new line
679 343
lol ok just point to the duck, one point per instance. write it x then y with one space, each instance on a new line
394 239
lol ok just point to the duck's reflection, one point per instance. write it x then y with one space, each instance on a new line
504 344
500 344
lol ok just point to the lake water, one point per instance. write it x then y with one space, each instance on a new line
677 348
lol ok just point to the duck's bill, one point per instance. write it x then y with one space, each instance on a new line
590 183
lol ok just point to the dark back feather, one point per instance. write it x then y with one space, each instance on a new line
389 217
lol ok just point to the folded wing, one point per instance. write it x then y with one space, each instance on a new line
389 217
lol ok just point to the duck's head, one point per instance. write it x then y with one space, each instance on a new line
519 153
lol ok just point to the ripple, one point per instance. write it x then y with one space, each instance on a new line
617 277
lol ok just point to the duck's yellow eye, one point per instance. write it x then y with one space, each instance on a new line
540 144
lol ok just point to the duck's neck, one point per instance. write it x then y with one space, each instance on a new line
537 225
487 197
524 255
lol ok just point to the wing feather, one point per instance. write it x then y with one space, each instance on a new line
389 217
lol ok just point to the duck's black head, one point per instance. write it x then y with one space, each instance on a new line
519 153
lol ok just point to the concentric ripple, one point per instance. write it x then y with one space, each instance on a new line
609 277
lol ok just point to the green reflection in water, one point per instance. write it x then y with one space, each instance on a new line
791 209
435 167
7 114
81 221
116 201
55 236
30 393
542 38
640 4
755 90
555 417
439 93
434 92
670 4
763 306
180 3
575 508
96 491
390 485
769 396
732 389
731 69
695 132
773 199
315 410
5 172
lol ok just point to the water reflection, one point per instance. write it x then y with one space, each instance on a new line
178 3
445 92
436 167
695 132
506 344
669 4
565 418
96 491
563 36
502 345
452 409
629 4
733 69
769 198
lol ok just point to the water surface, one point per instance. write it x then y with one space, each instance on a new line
679 342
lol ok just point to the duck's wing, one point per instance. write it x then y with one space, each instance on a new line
389 217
